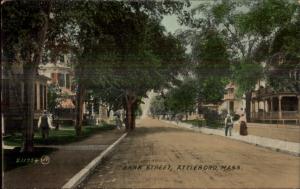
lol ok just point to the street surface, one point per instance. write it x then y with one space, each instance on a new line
160 155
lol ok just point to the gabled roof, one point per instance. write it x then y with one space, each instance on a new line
230 86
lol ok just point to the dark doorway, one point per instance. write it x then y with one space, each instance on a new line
231 106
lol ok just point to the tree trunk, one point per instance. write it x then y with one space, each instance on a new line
30 67
128 116
248 106
108 112
133 110
130 107
199 102
29 80
79 108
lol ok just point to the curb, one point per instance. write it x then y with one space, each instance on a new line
83 173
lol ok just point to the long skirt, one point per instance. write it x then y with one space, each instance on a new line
243 129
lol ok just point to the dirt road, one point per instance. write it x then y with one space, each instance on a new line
159 155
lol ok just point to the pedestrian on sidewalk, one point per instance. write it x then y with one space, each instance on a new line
228 124
45 124
178 118
243 125
118 122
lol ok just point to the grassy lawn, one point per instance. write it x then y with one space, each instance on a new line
58 137
195 122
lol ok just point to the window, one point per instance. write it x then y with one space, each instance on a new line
289 104
230 91
53 77
35 96
41 97
231 106
45 59
61 80
67 81
61 58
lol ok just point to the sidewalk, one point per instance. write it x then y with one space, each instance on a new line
65 162
280 132
275 144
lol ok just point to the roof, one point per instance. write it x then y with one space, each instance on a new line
210 105
230 86
56 66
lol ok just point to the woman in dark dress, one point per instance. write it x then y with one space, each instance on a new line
243 125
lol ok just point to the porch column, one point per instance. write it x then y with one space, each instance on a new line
298 109
99 109
42 106
271 109
65 80
228 107
38 93
264 114
298 104
279 107
46 97
253 110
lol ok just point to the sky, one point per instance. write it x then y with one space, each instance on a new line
171 24
170 21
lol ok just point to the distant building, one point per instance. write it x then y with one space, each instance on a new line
270 106
60 72
231 103
12 97
267 105
62 76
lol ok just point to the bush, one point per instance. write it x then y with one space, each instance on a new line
213 119
195 122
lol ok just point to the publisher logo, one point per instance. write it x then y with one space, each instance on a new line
45 160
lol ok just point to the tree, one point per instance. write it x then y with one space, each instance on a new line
25 26
210 62
148 66
115 42
264 19
54 97
182 98
29 27
247 28
283 58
